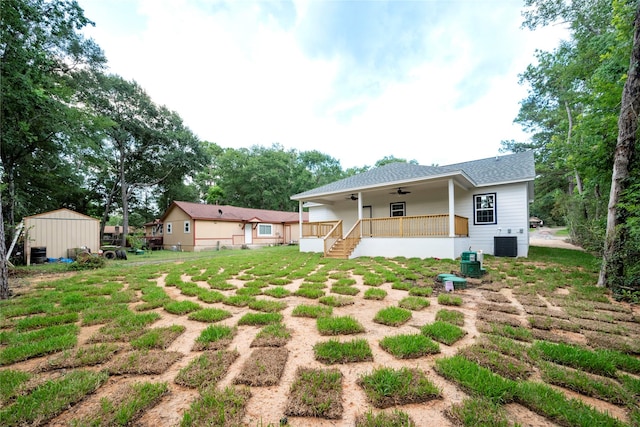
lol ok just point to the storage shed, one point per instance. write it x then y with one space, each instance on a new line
52 234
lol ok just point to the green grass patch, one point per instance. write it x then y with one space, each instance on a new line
210 315
443 332
501 364
590 385
210 297
87 355
214 337
477 380
37 322
256 319
27 345
127 406
239 300
182 307
206 369
345 290
386 387
414 303
479 412
224 408
395 418
576 357
250 291
448 299
310 293
343 281
454 317
52 398
267 306
10 383
158 338
334 351
335 301
553 404
421 291
375 294
513 332
273 335
409 346
342 325
125 328
371 279
316 393
100 314
277 292
313 311
402 286
392 316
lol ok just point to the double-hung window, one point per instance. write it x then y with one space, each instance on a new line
484 209
265 230
187 227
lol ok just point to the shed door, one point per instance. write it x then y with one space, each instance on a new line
248 234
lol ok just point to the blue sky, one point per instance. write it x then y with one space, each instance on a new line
430 80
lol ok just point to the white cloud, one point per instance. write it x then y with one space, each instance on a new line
239 77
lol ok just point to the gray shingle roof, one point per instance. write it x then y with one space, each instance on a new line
495 170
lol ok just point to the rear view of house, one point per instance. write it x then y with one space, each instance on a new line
195 226
403 209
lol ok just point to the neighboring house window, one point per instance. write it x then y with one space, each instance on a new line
484 209
169 228
398 209
265 230
187 227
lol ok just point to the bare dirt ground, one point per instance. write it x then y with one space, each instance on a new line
267 404
546 236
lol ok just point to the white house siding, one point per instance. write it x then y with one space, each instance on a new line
412 247
512 214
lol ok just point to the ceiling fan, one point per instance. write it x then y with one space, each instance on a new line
352 197
400 191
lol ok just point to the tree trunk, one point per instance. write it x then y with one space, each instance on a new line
4 267
612 270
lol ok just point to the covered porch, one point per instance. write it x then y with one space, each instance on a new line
432 220
426 235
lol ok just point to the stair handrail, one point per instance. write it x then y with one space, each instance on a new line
353 237
332 236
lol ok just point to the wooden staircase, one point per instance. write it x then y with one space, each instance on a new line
341 249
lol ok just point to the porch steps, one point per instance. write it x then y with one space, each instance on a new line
339 250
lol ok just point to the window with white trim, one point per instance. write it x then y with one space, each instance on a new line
484 209
398 209
169 228
265 230
187 227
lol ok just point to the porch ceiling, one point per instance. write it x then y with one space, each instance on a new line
417 188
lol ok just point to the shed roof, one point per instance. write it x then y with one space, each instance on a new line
203 211
62 213
516 167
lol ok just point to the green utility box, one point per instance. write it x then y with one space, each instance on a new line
470 268
469 256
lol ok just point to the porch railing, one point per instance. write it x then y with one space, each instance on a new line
318 228
401 226
352 238
414 226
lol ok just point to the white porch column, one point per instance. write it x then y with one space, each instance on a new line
300 217
452 209
360 211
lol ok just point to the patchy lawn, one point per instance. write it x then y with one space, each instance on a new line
268 336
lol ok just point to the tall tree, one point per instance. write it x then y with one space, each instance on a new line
613 265
141 144
41 52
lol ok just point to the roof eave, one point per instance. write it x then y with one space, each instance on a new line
399 183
